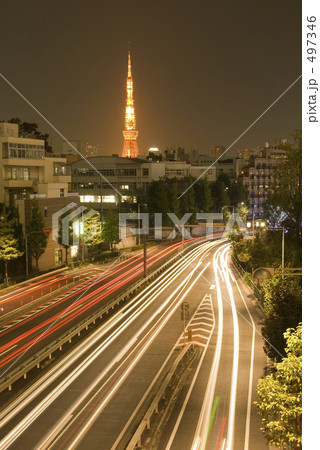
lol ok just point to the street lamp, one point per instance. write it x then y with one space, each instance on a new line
26 240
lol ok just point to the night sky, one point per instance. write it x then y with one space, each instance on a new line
203 71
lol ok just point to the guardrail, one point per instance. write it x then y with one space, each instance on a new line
153 408
7 380
242 272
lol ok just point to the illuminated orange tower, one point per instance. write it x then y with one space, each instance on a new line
130 134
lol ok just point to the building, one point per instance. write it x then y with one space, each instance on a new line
91 150
26 169
217 150
123 179
257 176
28 172
130 134
227 166
54 254
118 178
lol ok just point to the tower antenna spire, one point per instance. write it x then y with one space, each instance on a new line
130 134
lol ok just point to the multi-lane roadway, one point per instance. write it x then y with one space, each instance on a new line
94 396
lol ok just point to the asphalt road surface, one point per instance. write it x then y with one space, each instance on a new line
90 397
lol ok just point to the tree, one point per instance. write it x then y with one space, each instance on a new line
174 199
158 199
37 240
30 129
93 231
280 396
225 179
203 194
238 193
282 304
286 198
188 202
9 245
220 195
110 228
243 210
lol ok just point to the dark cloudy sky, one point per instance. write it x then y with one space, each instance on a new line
203 70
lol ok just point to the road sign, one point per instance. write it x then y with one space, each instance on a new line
185 314
47 231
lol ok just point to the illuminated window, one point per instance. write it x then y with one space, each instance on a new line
74 251
58 257
108 199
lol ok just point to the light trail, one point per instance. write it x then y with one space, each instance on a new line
161 322
235 362
250 384
61 319
154 287
186 400
56 392
201 433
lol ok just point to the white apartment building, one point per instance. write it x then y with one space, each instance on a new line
26 169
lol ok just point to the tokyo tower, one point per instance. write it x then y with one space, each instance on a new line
130 145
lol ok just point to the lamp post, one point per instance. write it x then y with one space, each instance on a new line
139 224
27 256
144 242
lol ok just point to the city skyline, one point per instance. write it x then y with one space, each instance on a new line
197 84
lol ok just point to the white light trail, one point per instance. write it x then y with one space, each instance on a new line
201 432
31 393
17 430
249 403
235 362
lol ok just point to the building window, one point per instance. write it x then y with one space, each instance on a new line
127 172
45 211
58 257
145 172
18 173
97 198
74 251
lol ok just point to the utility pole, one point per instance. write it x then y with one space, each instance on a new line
252 223
138 224
101 203
144 255
182 236
27 257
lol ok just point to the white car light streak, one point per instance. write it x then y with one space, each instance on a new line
204 417
17 430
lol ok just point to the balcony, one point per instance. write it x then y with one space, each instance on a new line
9 183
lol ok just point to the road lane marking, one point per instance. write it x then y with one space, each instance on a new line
200 437
235 362
8 350
143 296
250 386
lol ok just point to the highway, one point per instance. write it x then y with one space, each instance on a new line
25 333
92 396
